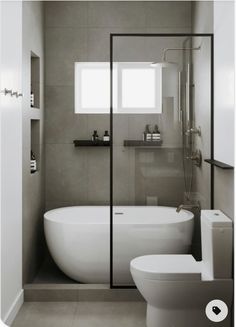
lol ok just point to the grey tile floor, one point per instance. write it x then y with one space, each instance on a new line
81 314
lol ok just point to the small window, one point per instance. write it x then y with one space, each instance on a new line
136 88
92 88
139 88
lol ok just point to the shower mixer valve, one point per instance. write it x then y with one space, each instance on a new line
193 130
196 157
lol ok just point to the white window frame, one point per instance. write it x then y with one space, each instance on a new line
117 88
79 66
158 98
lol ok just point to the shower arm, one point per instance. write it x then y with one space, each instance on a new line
176 49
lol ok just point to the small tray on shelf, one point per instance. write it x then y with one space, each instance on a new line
91 143
142 143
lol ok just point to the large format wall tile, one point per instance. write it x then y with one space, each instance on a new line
130 49
116 14
120 128
98 167
58 97
80 31
66 14
159 175
168 14
169 124
64 47
62 125
61 42
60 71
124 49
123 176
66 173
156 45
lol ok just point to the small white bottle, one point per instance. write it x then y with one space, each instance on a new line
156 135
147 135
95 136
32 99
33 163
106 137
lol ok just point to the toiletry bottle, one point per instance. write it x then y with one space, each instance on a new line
106 137
144 135
156 135
95 136
31 99
33 163
148 133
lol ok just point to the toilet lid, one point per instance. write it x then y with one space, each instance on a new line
167 267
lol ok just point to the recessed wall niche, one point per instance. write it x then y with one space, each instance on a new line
35 81
35 142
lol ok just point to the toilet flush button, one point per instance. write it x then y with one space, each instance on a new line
216 310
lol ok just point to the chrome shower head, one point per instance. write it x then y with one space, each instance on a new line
166 64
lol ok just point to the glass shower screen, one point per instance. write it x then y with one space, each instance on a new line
152 109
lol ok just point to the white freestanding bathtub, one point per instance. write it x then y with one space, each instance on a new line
78 238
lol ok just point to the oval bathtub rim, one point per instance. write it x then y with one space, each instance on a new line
189 216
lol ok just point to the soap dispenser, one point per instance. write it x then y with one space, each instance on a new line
31 98
106 137
95 136
33 163
156 135
147 135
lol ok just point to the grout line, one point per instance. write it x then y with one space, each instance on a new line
73 320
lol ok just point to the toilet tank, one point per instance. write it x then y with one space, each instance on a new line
217 243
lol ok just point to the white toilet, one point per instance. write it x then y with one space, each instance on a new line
177 288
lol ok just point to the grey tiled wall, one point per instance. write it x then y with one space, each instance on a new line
79 31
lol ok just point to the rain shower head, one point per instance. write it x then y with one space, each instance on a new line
166 64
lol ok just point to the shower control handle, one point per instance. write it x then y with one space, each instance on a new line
196 157
193 130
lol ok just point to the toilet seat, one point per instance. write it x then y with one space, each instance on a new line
167 267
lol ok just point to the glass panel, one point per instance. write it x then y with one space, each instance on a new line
138 88
155 167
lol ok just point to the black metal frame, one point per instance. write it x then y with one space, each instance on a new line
112 36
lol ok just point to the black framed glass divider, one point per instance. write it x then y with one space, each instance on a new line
161 127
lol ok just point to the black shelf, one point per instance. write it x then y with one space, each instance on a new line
142 143
218 164
91 143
